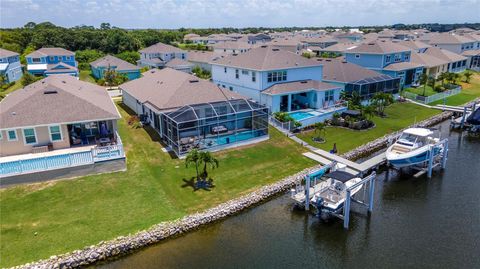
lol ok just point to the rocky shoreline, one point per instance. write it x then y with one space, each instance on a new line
124 245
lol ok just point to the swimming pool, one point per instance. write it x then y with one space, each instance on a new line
232 138
301 115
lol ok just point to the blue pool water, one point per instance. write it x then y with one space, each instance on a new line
301 115
232 138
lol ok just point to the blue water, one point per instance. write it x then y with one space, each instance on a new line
301 115
228 139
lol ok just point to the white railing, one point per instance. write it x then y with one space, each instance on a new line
287 126
432 98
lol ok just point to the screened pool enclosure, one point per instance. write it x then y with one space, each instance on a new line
214 125
367 88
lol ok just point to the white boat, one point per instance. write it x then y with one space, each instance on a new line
412 148
332 197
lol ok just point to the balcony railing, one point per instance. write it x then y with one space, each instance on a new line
65 158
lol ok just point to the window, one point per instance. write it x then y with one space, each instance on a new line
52 58
12 135
398 57
55 133
183 56
244 72
224 70
387 58
329 95
36 60
236 74
407 57
1 135
67 58
357 56
254 76
29 136
230 88
277 76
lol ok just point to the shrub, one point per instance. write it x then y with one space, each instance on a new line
439 88
101 82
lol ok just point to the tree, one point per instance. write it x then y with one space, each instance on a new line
105 26
467 76
28 79
321 127
353 99
129 56
431 82
193 158
208 159
30 25
423 81
369 111
442 78
3 80
381 100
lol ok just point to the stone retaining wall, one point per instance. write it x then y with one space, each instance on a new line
126 244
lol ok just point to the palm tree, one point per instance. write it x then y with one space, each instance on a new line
442 78
467 76
208 159
321 127
431 82
193 157
369 111
423 81
381 100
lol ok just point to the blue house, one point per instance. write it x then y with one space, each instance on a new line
10 65
49 61
387 57
281 80
101 65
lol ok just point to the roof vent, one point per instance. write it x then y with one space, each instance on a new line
320 60
275 49
193 80
303 81
370 44
50 92
328 60
263 46
344 61
63 81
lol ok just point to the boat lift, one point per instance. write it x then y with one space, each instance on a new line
299 194
434 160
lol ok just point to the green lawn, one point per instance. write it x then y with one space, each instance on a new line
86 75
399 116
470 91
16 86
419 90
41 220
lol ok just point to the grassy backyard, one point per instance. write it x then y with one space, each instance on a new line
470 91
86 75
44 219
419 90
399 115
14 87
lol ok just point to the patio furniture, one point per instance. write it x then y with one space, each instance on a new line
104 141
219 129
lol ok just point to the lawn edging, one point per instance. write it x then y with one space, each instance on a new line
124 245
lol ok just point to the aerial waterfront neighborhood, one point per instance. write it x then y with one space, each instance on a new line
113 139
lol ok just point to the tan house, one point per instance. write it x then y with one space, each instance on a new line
57 112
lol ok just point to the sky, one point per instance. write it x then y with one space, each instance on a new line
170 14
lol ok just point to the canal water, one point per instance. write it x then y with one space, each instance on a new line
416 223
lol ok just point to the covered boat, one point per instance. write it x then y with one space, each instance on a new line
333 196
474 118
412 147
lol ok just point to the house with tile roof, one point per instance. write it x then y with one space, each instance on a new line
279 79
10 65
107 62
189 112
51 61
387 57
158 55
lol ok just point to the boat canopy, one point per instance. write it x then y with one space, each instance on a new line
474 118
418 131
340 176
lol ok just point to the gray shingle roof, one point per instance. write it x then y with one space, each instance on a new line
414 44
56 99
6 53
341 71
447 38
110 60
161 48
50 52
445 54
175 63
379 47
266 58
204 56
299 86
167 89
402 66
427 60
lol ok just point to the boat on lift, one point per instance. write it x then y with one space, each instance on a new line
412 148
332 197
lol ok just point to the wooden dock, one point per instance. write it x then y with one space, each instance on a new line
325 157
